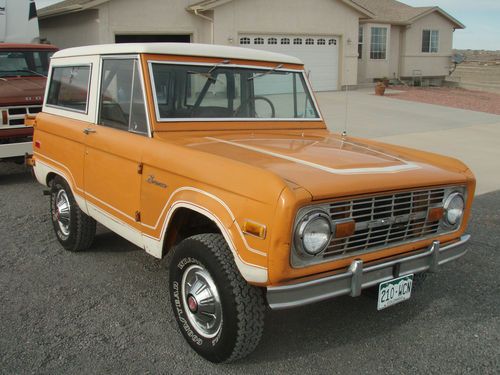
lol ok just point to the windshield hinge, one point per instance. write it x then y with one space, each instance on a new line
140 167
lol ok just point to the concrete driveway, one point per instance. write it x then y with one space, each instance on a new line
473 137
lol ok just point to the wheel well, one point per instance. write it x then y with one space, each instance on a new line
186 223
50 178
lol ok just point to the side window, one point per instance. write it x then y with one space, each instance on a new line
121 104
69 87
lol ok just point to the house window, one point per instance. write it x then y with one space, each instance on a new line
321 42
285 41
378 46
258 41
245 41
309 41
360 42
297 41
430 40
272 41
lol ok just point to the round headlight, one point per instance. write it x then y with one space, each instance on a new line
454 209
314 233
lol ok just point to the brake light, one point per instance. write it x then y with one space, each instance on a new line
5 118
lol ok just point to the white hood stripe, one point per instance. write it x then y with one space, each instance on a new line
393 169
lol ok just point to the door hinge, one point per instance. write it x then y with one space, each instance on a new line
137 216
140 167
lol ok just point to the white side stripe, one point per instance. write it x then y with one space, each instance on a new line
347 171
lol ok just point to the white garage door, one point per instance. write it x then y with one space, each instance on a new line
320 55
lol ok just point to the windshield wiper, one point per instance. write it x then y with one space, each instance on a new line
208 74
266 72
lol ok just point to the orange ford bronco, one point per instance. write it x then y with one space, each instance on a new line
221 156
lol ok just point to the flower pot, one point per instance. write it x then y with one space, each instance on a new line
380 89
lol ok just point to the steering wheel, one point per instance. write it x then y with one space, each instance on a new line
245 103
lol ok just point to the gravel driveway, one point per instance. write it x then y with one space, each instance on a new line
107 310
473 100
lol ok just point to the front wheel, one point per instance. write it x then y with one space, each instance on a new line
74 229
220 315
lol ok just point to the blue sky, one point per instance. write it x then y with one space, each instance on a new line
482 18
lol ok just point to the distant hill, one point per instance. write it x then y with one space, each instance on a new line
480 56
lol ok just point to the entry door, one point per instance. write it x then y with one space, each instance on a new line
114 149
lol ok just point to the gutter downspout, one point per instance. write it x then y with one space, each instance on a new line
196 11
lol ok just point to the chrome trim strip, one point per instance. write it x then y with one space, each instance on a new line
358 277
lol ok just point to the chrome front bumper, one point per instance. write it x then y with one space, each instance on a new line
358 277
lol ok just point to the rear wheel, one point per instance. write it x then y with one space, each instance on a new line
74 229
220 315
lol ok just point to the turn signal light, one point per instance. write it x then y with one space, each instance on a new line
255 229
435 214
345 229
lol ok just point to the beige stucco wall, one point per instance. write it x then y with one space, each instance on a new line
152 17
430 64
319 17
75 29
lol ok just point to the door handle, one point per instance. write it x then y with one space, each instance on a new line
88 130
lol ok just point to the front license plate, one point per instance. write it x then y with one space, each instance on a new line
394 291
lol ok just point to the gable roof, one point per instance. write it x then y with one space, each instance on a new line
211 4
397 13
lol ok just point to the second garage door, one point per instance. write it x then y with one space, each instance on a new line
319 54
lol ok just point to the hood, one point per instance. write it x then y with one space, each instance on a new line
327 165
21 90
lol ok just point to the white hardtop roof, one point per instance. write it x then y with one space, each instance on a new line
183 49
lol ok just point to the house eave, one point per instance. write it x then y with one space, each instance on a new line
206 5
61 9
457 24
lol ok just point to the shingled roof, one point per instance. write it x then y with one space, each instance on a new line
397 13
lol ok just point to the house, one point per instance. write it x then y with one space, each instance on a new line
404 42
342 42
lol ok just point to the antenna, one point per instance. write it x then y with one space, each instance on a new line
346 120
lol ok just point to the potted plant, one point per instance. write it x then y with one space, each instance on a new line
380 89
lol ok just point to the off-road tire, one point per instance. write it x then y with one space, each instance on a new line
242 304
81 226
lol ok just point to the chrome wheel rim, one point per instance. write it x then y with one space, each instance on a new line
63 212
201 301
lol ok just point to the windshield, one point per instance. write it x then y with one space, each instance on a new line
221 91
24 63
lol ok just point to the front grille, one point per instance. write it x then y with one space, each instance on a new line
384 220
15 115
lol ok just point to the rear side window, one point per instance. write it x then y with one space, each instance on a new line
69 86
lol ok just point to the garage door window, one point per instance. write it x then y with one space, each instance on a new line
285 41
69 87
272 41
245 41
297 41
